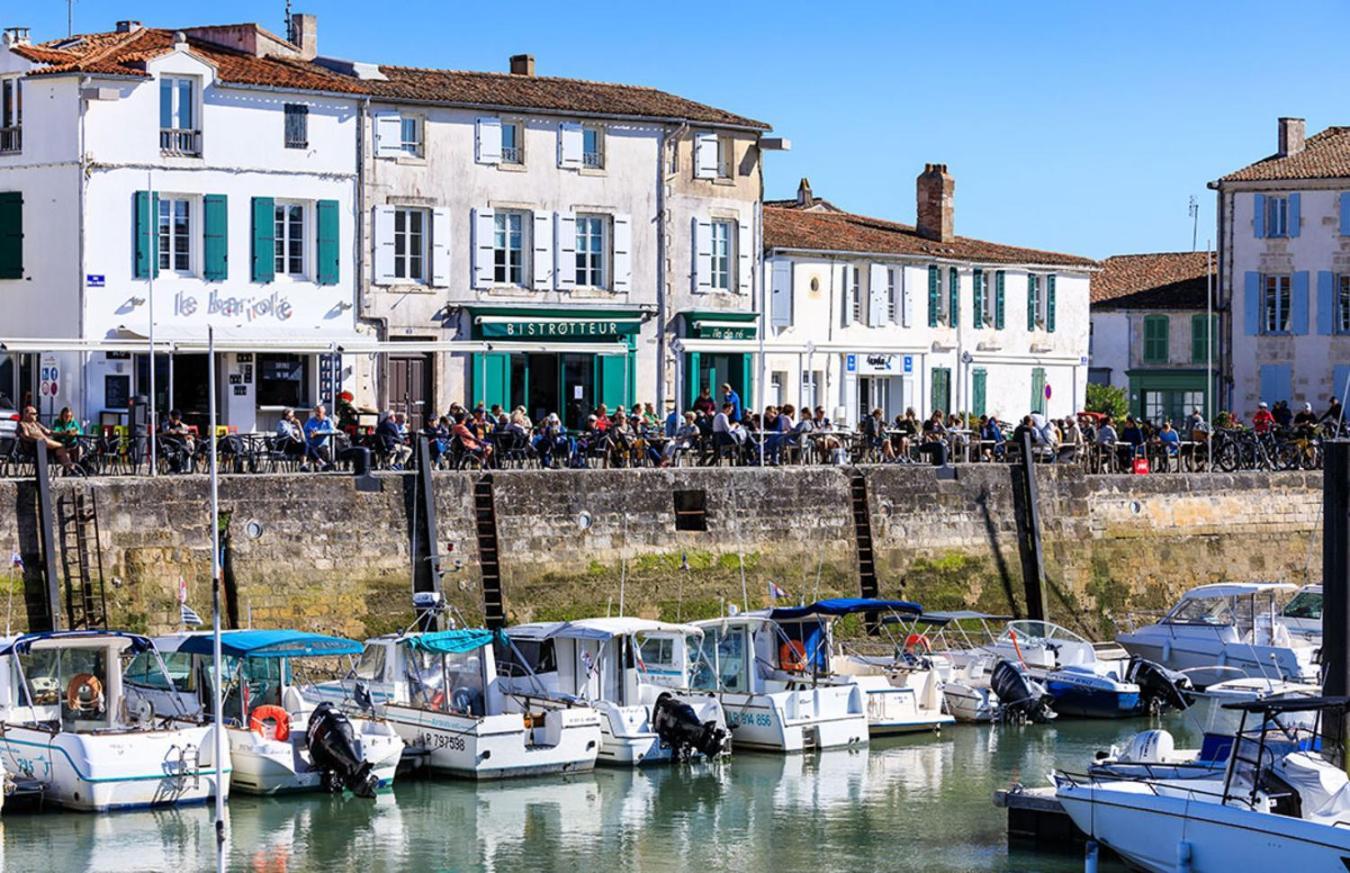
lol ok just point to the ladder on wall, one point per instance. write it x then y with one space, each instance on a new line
81 561
485 524
862 529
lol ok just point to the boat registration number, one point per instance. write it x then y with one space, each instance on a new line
441 741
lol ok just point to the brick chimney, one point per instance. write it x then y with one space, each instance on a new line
805 198
936 191
1292 133
522 65
305 34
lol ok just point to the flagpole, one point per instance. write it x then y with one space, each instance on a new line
219 754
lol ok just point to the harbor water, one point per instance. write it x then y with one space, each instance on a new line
914 803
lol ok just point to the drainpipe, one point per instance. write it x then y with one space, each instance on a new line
661 277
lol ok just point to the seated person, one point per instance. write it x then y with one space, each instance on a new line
290 434
391 439
67 431
31 432
469 441
319 434
1169 439
176 437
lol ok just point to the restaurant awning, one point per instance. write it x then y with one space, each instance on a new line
567 325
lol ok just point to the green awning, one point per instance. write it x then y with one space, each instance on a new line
452 642
712 324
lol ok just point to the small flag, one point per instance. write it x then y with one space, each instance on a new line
775 592
16 561
182 590
189 617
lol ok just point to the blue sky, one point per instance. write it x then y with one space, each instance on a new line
1076 127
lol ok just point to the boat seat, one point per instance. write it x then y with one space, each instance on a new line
1317 782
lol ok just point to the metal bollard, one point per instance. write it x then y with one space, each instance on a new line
359 456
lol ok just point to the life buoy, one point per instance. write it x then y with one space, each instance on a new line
280 717
438 700
918 643
84 692
792 656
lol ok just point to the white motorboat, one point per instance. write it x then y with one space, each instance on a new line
636 674
771 702
1081 678
440 691
1303 614
1276 805
963 663
68 722
279 741
1223 627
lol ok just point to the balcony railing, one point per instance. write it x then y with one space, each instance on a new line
180 142
593 160
11 139
510 155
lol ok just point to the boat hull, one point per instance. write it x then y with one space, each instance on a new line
267 766
1078 701
824 717
893 710
500 746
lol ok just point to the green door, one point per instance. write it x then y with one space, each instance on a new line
1038 390
612 384
942 390
492 379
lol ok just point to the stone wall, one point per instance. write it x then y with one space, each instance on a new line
310 551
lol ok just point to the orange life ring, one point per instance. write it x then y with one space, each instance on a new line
917 642
280 717
80 685
792 656
438 700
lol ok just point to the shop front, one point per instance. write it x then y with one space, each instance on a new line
1167 395
716 352
880 380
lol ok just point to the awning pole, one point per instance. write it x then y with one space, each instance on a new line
153 232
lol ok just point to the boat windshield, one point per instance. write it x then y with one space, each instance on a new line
723 660
446 682
371 666
144 672
1305 604
1213 611
74 677
1039 630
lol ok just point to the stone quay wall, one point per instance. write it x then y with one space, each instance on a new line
311 551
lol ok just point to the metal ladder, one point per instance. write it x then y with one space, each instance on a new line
862 529
485 524
81 561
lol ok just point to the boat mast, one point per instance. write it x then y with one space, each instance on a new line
218 753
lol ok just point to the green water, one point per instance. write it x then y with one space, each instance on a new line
920 803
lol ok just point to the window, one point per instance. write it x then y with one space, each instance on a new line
892 302
1343 303
854 294
726 156
283 380
593 146
410 136
812 380
1277 216
591 251
11 115
297 126
288 239
657 652
178 134
1275 304
175 235
982 308
410 239
723 254
371 666
1156 338
513 143
508 245
691 510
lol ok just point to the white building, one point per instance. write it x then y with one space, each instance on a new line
211 171
1284 267
867 313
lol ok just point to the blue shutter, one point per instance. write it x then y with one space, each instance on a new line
1259 215
329 261
146 243
264 214
1294 222
1298 308
977 299
1326 302
1251 303
215 238
934 295
1050 303
1276 383
1345 213
998 300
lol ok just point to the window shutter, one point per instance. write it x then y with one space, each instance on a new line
1050 303
488 140
702 255
147 235
215 238
781 292
1295 209
1156 339
977 299
998 300
1298 308
934 295
846 273
1199 340
623 253
953 297
329 242
1345 213
388 135
1326 302
877 291
384 245
484 228
264 214
705 156
11 235
565 244
543 251
1251 303
440 247
1259 215
745 249
906 298
1032 290
978 382
569 145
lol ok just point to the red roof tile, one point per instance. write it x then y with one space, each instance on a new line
1160 280
1325 155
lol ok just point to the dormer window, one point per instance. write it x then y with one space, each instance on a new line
11 115
178 131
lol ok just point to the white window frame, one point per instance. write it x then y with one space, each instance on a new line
1342 287
853 286
411 148
723 279
597 264
1277 217
179 245
282 260
11 118
726 156
501 225
1276 300
410 265
593 160
812 383
180 139
513 156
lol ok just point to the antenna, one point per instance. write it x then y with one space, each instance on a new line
290 28
70 18
1194 209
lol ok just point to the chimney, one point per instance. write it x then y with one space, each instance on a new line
936 191
305 34
522 65
16 36
128 26
1292 133
805 198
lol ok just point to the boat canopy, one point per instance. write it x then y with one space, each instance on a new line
1275 705
839 606
451 642
944 618
1236 589
598 628
21 644
271 644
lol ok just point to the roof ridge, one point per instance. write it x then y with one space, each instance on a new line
517 77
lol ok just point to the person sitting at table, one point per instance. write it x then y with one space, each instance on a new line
619 435
933 428
67 431
479 423
723 434
993 443
176 437
438 438
348 417
30 432
649 416
704 403
1133 435
553 440
319 433
820 420
1169 440
391 442
290 435
673 420
683 439
602 419
874 432
468 440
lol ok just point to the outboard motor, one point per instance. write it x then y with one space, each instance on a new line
680 730
1020 697
332 747
1159 687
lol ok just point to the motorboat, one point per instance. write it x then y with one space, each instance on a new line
901 695
1209 705
68 723
1216 629
1081 678
1302 615
279 741
441 693
771 702
1278 803
636 674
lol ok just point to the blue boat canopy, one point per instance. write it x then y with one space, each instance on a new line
840 606
21 645
271 644
451 642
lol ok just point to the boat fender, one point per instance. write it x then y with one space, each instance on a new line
84 693
278 716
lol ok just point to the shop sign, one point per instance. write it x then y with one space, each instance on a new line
558 329
273 306
728 333
878 365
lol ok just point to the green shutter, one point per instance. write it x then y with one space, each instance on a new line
11 235
1038 390
147 235
1050 303
977 311
612 387
1200 339
1031 301
216 238
492 379
998 300
691 376
977 391
954 296
934 295
942 390
329 262
264 242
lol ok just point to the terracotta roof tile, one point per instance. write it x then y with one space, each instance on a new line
1160 280
1325 155
793 228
